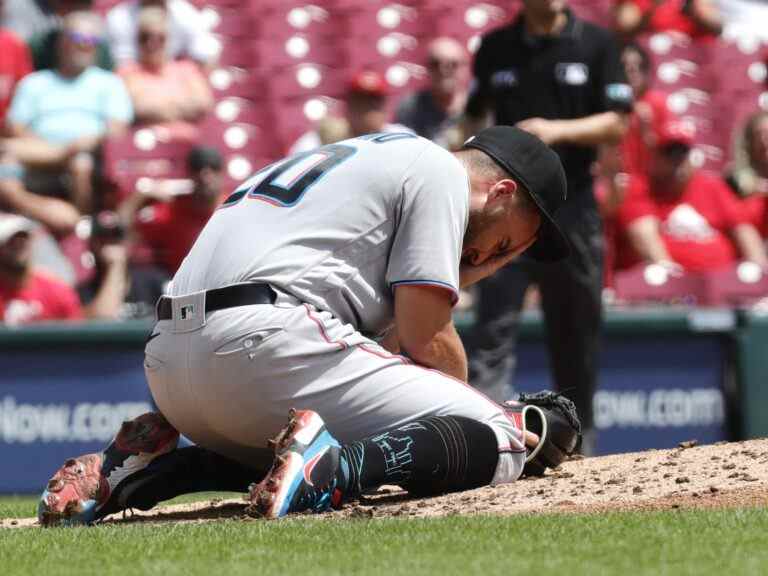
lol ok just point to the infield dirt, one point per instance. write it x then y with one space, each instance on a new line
715 476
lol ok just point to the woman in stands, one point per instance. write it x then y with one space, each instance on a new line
748 173
168 94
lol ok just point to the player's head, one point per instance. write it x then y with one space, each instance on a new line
517 185
79 39
448 65
366 101
15 244
637 66
152 34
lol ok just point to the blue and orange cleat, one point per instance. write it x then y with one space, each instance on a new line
305 472
87 488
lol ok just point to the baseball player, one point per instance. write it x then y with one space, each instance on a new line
325 282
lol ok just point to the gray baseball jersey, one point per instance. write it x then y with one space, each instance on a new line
332 229
338 227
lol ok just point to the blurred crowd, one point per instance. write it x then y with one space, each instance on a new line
75 244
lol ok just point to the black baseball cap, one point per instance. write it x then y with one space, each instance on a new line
538 168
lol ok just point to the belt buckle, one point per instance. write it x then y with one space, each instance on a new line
188 312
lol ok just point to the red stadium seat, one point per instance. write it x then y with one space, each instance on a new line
649 284
143 153
740 285
296 49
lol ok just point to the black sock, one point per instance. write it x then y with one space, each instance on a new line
427 456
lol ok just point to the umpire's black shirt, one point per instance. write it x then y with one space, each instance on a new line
573 74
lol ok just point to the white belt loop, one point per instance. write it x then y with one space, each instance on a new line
188 312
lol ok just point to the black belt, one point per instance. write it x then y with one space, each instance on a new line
227 297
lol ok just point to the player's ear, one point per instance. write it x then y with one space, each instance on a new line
502 190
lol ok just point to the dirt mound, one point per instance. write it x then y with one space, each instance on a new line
714 476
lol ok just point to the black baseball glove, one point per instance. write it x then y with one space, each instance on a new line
553 418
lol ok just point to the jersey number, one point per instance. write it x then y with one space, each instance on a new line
285 183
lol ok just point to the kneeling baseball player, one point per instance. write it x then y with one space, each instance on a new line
326 283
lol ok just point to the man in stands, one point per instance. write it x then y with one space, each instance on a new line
429 112
118 290
58 118
44 45
28 295
683 218
170 225
366 113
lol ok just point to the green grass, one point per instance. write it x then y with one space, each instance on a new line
661 543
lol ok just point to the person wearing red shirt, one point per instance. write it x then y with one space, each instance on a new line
15 63
694 18
28 295
170 226
683 218
649 112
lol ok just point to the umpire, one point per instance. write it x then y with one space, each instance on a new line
559 78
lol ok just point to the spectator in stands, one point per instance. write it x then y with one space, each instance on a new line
429 112
26 294
118 290
366 113
649 111
748 174
14 65
44 46
171 224
58 118
683 218
172 94
694 18
188 35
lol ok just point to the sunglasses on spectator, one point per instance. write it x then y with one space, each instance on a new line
84 40
145 37
451 65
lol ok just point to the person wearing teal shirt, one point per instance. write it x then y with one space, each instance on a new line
60 117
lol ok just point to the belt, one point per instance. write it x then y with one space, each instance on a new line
227 297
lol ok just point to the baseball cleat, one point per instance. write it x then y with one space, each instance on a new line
86 488
304 474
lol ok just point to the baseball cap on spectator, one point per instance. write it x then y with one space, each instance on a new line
675 132
538 168
12 224
201 157
368 83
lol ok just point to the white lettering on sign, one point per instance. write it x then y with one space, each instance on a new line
84 422
659 408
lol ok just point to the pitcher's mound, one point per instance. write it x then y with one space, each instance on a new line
718 475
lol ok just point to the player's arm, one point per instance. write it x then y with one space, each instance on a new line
425 330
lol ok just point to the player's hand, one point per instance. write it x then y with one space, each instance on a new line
471 273
548 131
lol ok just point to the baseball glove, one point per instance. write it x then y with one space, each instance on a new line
553 418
